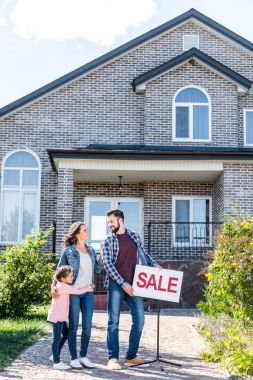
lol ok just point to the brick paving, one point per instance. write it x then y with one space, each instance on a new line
179 342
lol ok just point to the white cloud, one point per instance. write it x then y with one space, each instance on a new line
99 21
2 22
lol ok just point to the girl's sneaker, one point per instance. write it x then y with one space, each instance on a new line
61 366
51 358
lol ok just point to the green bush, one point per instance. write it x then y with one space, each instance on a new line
25 275
227 323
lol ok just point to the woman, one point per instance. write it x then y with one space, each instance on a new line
82 258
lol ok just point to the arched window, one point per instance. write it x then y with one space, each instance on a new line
20 195
191 115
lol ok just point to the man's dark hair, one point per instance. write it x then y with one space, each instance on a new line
116 212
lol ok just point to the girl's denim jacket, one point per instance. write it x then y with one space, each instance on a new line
71 256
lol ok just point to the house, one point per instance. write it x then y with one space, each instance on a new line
161 127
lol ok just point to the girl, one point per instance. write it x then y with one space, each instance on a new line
58 313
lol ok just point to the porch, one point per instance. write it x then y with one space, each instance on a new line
179 197
175 205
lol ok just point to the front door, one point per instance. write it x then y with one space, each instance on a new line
96 209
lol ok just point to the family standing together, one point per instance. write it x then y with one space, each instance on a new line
73 290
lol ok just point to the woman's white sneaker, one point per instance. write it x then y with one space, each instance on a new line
76 364
113 364
61 366
86 362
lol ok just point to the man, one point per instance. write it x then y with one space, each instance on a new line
123 249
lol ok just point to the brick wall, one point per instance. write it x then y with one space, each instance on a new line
218 199
102 108
223 108
109 190
64 205
238 185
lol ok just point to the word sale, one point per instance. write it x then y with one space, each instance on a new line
158 282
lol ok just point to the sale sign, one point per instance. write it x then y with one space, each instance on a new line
162 284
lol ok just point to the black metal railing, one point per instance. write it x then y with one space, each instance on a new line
54 238
180 240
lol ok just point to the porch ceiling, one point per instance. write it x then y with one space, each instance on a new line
141 176
105 163
108 170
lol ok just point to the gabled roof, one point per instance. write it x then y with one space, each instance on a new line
195 55
191 14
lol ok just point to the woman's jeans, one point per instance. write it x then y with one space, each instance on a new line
116 296
85 302
60 335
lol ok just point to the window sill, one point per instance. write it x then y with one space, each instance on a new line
188 140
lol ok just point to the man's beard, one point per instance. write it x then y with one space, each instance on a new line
115 229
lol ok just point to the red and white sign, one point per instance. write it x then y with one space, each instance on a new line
162 284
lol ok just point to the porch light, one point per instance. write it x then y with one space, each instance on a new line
120 184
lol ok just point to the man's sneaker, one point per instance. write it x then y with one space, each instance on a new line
61 366
113 364
76 364
135 361
51 358
86 362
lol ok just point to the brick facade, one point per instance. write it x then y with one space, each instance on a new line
64 215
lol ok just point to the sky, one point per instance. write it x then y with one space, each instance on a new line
41 40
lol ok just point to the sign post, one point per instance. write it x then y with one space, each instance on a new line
159 284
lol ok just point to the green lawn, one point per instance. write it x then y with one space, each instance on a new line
18 333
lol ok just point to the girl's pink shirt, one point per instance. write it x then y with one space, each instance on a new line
59 310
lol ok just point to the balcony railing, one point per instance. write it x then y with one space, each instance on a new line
178 240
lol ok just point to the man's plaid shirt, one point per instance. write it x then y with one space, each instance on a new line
110 254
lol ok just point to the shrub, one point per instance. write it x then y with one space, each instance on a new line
228 307
25 275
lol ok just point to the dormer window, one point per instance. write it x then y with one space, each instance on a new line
191 115
190 41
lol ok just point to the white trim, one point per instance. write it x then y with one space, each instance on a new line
190 35
142 165
21 192
113 201
190 105
245 110
190 198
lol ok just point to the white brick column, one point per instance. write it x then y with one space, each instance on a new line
64 205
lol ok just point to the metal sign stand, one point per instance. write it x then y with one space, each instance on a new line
158 357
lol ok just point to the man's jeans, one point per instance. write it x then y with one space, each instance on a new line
85 302
116 296
60 335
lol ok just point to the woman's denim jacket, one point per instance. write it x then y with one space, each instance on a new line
71 256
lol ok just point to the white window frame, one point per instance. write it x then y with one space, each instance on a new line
245 110
114 201
190 106
190 35
21 193
190 198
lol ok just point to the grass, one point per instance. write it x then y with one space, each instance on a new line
18 333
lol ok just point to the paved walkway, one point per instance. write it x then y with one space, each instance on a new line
179 342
